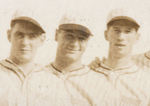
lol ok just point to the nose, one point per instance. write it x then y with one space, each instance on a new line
121 36
75 43
25 40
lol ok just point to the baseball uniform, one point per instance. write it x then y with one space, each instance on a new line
142 60
13 83
131 85
49 87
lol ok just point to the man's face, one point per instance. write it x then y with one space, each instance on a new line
25 39
121 36
71 44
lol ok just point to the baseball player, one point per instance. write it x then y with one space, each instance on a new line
25 35
129 82
62 82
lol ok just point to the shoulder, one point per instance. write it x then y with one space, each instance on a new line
142 60
98 66
5 66
95 63
43 72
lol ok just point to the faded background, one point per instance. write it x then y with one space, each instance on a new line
48 13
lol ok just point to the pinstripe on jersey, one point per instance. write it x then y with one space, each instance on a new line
142 60
49 87
13 83
131 85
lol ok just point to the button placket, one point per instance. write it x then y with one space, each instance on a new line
24 90
112 76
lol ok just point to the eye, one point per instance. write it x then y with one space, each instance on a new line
69 36
117 30
19 34
127 31
32 35
82 38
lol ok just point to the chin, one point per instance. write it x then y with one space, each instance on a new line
26 58
120 55
72 57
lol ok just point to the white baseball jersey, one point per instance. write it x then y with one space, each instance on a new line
48 87
129 86
142 60
12 84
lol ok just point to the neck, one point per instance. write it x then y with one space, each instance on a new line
114 61
26 66
65 65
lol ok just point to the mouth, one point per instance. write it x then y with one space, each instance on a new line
72 50
25 50
120 45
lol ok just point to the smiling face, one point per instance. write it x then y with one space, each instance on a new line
25 39
71 44
121 36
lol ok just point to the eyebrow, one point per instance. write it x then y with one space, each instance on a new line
115 27
130 28
19 32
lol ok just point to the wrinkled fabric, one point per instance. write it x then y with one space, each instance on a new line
129 86
49 87
142 60
103 86
12 84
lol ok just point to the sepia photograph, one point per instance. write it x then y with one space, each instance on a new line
74 53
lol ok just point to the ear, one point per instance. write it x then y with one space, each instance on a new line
56 34
9 35
41 40
138 36
106 35
43 37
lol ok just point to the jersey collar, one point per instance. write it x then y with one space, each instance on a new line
105 69
80 71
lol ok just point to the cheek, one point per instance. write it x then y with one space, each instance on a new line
61 45
112 37
131 39
15 42
13 39
64 43
35 43
83 46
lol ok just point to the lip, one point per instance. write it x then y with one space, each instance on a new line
72 50
120 44
24 50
